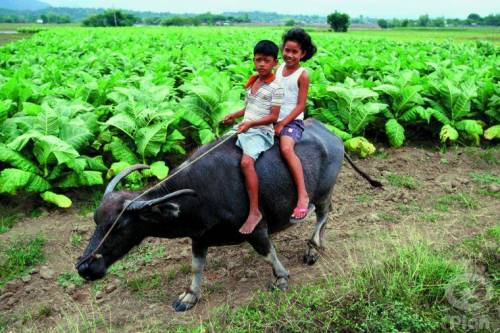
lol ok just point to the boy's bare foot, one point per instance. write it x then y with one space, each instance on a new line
251 222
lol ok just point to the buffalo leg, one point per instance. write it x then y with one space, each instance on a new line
190 297
262 244
316 242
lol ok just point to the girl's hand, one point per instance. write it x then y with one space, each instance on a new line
244 126
278 128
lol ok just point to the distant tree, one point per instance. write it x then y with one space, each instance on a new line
423 21
474 19
338 21
290 23
180 21
492 19
439 22
111 18
405 23
152 20
383 23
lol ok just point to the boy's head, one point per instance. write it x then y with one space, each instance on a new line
265 56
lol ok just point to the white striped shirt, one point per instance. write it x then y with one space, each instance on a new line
259 105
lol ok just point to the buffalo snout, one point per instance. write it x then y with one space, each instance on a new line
92 269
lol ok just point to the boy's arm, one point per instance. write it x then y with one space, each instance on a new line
230 118
270 118
301 101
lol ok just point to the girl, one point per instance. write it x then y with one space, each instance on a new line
297 46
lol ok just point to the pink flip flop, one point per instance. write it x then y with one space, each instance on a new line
297 211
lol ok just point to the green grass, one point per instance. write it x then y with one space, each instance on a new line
405 292
144 282
458 200
20 256
402 181
68 278
430 217
484 178
8 219
130 263
75 239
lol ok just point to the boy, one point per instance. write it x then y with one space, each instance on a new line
256 133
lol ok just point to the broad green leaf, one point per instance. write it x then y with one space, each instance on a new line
149 140
48 145
492 133
14 179
16 159
124 123
206 136
59 200
32 109
121 152
448 133
95 163
159 169
395 132
341 134
4 109
360 145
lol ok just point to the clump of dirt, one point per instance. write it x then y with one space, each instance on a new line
445 197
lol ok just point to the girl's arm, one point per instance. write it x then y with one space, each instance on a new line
303 83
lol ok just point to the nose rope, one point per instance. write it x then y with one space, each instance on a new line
94 254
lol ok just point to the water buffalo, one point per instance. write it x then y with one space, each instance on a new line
208 203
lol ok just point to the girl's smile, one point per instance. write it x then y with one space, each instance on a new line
292 53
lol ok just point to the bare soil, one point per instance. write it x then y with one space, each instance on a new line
137 298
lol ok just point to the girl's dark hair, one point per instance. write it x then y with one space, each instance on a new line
302 38
267 48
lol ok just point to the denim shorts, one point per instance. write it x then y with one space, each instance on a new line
293 129
255 141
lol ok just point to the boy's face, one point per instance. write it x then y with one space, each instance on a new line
264 64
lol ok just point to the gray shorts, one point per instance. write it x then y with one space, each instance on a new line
254 142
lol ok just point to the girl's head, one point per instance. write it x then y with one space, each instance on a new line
297 45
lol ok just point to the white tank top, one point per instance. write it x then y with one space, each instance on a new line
290 85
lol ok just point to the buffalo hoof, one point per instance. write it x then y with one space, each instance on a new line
186 301
311 256
280 284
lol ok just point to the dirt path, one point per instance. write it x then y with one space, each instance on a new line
443 198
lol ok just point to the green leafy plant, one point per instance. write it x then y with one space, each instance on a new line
351 110
405 104
209 98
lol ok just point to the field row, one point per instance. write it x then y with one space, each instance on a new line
79 105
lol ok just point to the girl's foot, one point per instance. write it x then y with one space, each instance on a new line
251 222
302 209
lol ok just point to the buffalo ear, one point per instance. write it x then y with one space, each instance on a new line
159 213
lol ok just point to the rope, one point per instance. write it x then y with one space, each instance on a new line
94 254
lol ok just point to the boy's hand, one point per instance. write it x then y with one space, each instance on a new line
228 119
278 128
244 126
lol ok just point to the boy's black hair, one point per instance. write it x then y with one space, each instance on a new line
302 38
267 48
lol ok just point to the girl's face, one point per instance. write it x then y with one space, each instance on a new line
292 53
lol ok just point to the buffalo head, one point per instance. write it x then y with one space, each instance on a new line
122 222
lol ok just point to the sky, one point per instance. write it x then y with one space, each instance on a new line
371 8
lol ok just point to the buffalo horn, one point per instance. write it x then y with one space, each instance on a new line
124 173
140 204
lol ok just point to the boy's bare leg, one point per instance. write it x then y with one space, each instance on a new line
287 145
252 184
